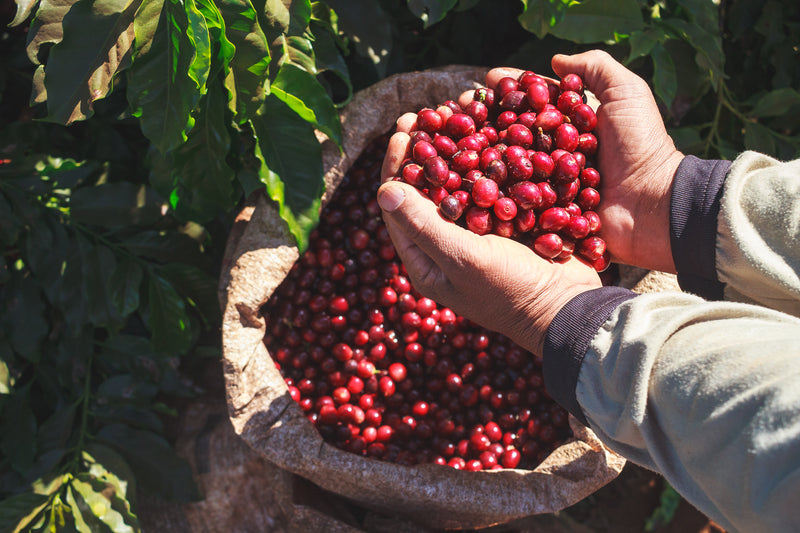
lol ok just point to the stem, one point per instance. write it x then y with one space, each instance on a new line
76 459
721 101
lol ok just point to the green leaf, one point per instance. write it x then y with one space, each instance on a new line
290 17
98 263
24 10
687 139
85 520
197 33
708 45
430 11
122 387
108 466
197 286
158 469
540 16
598 20
96 47
305 96
22 316
298 51
165 247
46 26
168 322
293 166
759 138
250 63
642 42
10 225
115 205
95 506
202 178
665 82
124 285
370 27
18 511
222 48
54 432
69 297
164 77
18 430
330 60
775 103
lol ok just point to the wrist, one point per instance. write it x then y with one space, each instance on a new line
540 313
650 244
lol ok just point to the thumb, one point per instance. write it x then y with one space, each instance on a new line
424 240
599 71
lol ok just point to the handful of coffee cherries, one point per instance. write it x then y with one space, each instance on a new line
517 161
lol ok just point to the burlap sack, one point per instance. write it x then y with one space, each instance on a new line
265 416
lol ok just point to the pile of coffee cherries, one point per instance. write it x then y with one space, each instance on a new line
381 370
517 161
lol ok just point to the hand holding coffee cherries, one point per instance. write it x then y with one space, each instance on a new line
496 281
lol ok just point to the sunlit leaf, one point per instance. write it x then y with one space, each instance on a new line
20 510
24 10
163 84
158 469
250 62
290 17
540 16
82 68
200 173
46 26
293 166
222 48
305 96
595 21
643 41
197 33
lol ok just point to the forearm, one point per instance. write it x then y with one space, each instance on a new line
703 392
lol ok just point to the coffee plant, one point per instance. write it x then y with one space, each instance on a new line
131 131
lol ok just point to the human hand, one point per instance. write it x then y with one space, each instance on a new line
636 158
494 281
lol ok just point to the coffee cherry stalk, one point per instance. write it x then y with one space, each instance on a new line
517 161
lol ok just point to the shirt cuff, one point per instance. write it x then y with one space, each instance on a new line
568 339
695 203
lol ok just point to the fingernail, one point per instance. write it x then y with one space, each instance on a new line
390 198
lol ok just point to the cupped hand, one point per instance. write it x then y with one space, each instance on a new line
491 280
636 158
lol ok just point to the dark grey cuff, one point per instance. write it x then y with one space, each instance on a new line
695 201
568 339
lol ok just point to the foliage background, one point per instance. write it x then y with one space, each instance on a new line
132 130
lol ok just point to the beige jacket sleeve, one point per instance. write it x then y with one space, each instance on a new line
705 392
